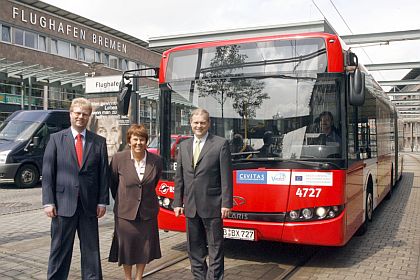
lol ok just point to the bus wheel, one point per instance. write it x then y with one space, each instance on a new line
391 188
27 176
368 213
369 206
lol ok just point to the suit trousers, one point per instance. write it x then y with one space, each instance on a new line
63 230
205 237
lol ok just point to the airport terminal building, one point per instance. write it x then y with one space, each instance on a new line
46 53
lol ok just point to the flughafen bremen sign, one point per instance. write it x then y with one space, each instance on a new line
45 22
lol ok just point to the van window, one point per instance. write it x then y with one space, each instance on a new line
53 128
44 135
58 121
17 130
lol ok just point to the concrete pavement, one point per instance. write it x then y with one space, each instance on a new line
391 247
389 250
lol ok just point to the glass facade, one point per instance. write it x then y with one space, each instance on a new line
5 34
42 43
19 92
64 48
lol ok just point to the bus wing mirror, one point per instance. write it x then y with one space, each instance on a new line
357 88
123 98
351 59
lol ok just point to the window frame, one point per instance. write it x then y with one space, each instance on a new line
9 33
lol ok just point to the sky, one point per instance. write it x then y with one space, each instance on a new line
146 19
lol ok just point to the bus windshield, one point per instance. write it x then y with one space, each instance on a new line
269 99
17 130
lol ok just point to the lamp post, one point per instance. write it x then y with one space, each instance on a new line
93 66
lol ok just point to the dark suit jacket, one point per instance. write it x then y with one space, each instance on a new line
208 187
62 180
129 192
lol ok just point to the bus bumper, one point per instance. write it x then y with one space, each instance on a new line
168 222
325 233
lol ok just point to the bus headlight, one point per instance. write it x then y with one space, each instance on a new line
314 214
321 212
331 214
293 215
307 213
166 202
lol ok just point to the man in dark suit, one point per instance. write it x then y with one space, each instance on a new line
204 193
75 193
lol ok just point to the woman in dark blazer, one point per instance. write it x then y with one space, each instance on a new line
135 174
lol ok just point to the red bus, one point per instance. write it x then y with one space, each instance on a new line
315 140
153 146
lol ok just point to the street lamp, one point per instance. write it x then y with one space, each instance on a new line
93 66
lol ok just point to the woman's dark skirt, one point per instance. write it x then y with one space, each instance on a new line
135 241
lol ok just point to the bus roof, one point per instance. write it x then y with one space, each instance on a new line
252 39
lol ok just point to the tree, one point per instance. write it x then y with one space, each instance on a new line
247 99
222 80
215 80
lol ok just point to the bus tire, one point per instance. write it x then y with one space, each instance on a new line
369 205
27 176
368 212
402 166
391 188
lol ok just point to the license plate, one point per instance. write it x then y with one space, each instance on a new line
236 233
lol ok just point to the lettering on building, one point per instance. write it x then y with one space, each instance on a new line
32 18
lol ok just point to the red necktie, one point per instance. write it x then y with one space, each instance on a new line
79 149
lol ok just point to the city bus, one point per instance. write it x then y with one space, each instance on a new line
318 138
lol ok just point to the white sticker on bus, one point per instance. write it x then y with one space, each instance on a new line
278 178
312 178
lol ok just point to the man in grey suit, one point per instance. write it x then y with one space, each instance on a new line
75 193
204 193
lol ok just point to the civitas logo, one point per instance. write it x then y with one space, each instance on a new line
254 176
238 200
164 188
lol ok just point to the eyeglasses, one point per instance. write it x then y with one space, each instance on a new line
80 114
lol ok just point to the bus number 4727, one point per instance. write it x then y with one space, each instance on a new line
308 192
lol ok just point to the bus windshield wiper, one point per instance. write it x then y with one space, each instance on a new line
278 76
243 155
315 164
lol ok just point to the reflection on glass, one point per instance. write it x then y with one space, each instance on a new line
5 34
269 93
17 130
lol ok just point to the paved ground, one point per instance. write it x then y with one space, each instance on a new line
25 240
390 249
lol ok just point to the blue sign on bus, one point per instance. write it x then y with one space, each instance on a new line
251 177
